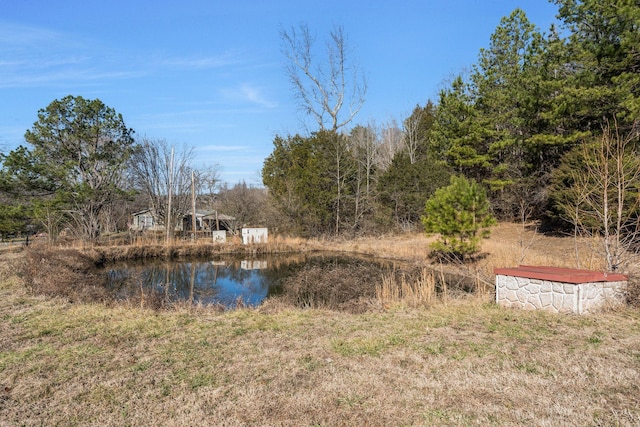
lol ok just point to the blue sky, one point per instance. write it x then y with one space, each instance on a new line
210 74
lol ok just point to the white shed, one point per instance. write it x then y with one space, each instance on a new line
254 235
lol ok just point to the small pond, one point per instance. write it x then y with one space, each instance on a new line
303 280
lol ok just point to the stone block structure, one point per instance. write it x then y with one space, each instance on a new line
560 290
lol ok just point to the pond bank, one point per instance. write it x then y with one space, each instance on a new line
344 281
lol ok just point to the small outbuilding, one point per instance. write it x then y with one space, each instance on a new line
560 290
254 235
208 220
145 220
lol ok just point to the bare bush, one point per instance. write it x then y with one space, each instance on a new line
335 285
66 273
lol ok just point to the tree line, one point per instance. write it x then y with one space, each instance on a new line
83 174
545 122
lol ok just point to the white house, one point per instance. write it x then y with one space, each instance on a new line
145 221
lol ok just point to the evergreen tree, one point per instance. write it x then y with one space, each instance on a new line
405 186
513 90
457 137
531 98
600 82
301 173
14 219
79 149
460 213
604 45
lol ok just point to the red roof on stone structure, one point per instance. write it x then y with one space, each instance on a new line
560 274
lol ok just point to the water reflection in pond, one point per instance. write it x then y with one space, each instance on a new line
306 280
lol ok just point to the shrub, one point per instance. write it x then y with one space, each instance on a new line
460 213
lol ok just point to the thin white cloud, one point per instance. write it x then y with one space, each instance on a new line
179 127
31 78
255 95
35 56
14 35
180 114
202 63
12 63
222 148
248 93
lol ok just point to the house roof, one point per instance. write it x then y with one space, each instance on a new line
208 214
221 217
141 212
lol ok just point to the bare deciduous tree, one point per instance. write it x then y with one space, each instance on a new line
245 203
332 91
606 194
410 136
391 138
325 90
165 177
364 145
207 181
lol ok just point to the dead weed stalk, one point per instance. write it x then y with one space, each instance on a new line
409 291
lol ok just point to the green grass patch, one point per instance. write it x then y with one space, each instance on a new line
366 346
447 417
528 368
595 339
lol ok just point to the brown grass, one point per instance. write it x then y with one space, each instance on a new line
414 292
466 363
65 273
510 245
461 361
334 284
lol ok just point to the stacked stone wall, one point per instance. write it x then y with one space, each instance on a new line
559 297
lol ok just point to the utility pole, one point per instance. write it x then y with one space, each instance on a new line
193 205
169 230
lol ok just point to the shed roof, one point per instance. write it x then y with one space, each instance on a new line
141 212
560 274
221 217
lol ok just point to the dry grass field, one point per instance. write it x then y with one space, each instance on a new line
459 360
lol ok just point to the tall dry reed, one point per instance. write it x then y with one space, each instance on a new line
410 291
